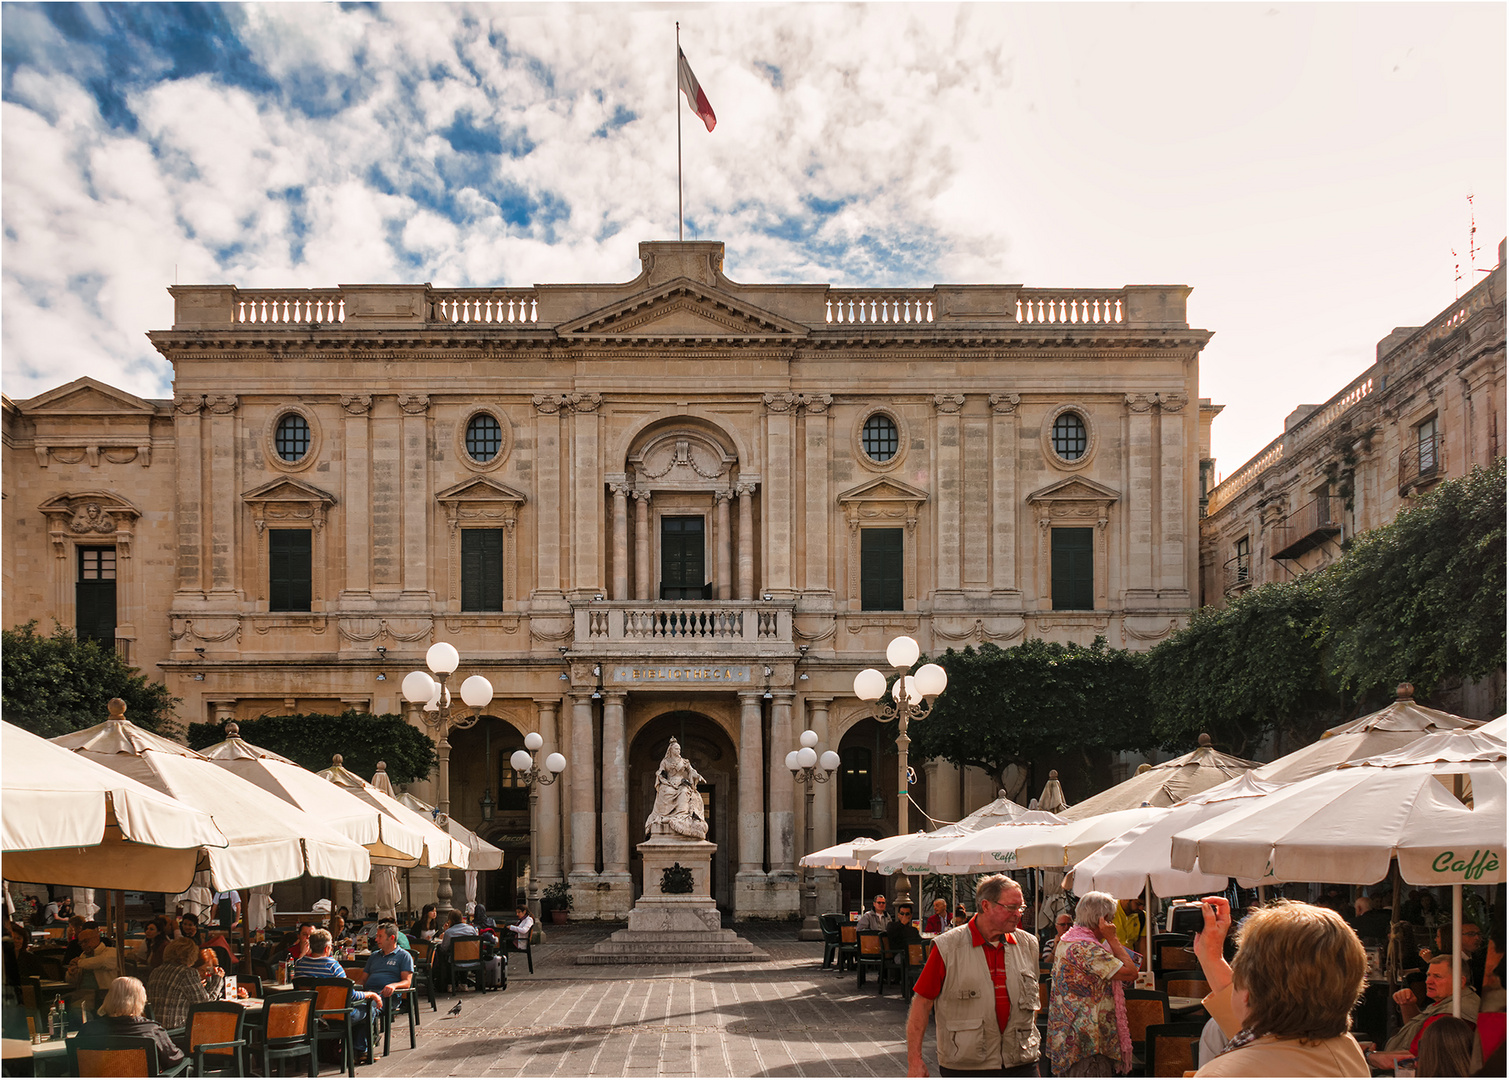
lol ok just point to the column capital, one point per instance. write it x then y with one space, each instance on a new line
622 490
1171 403
743 489
1004 404
948 404
357 404
188 404
615 697
414 404
1139 403
641 496
221 404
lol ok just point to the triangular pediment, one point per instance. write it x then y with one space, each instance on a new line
87 397
1074 489
883 489
480 489
287 490
682 309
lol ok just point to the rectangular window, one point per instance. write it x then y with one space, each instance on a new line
513 793
1244 557
481 569
1426 440
94 595
854 778
880 575
683 560
290 570
1073 570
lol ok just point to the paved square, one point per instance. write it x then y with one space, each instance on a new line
785 1016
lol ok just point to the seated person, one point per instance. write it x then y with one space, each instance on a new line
122 1013
390 967
427 926
147 953
522 926
876 918
179 981
1371 923
188 926
338 935
1406 1041
94 966
902 931
299 946
938 921
317 963
481 920
1061 926
455 926
1446 1048
960 916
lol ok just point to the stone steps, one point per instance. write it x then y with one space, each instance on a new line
707 946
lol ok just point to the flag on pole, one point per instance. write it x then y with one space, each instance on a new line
693 91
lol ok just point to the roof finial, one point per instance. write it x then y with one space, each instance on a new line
336 761
1204 739
232 729
1406 692
117 709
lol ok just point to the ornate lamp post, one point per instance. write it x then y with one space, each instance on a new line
442 659
525 769
807 768
912 698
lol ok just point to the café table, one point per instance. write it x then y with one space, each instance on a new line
49 1053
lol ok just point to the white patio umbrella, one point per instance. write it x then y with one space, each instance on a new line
998 811
908 855
441 851
482 855
1166 783
269 840
842 856
385 878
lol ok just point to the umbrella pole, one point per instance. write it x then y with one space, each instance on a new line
1456 950
120 930
1147 923
1393 959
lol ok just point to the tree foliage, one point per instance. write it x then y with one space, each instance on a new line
1421 599
57 684
313 739
1034 700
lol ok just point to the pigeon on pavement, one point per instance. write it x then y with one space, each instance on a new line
455 1010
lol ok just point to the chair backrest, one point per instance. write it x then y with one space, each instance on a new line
1177 957
847 934
828 924
223 957
330 994
466 950
122 1055
288 1016
1193 988
871 943
916 954
58 932
1172 1049
215 1022
420 949
1145 1008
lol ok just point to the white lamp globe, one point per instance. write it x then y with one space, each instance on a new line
869 685
532 741
908 686
809 738
791 761
521 761
433 705
476 691
442 658
555 763
806 757
932 680
830 761
418 686
901 653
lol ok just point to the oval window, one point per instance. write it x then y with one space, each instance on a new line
1069 436
291 440
484 437
879 438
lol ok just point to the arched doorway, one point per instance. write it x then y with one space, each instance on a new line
867 801
479 766
712 754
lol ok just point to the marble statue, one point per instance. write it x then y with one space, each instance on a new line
678 805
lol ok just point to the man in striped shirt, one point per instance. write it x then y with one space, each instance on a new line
319 964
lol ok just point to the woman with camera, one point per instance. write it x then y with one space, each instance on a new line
1285 1001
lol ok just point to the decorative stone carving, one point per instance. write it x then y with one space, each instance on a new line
88 514
682 458
816 404
414 404
357 404
1171 402
1139 403
780 403
221 404
1004 404
188 404
948 403
678 806
584 402
90 518
549 404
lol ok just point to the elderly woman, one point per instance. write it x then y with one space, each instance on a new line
1285 1001
122 1013
1087 1017
179 983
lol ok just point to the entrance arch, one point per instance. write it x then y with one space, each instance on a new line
711 752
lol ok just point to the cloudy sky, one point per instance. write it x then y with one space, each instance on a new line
1304 167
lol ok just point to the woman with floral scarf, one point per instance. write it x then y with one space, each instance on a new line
1087 1015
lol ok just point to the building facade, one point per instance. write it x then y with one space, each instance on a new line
680 505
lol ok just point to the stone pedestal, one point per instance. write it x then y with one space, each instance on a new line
673 928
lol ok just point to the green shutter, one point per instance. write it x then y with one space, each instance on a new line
880 576
1073 569
683 560
482 570
94 596
290 562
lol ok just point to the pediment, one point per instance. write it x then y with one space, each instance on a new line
480 489
682 309
87 397
883 489
1075 489
288 491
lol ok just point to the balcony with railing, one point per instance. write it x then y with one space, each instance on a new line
1421 464
1307 528
1237 573
672 628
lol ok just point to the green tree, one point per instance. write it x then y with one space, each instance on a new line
56 684
313 739
1033 701
1244 671
1421 599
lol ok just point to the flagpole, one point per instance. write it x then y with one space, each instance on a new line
680 216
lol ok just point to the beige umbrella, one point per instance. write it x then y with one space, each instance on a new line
483 856
1166 783
385 878
1051 801
441 851
995 812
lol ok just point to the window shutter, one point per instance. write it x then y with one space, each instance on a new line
880 576
290 564
482 570
1073 569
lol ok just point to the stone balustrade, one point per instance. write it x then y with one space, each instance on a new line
287 306
479 307
1070 306
880 306
675 624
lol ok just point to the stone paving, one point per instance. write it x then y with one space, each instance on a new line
785 1016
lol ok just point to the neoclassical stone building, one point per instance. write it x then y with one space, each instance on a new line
679 505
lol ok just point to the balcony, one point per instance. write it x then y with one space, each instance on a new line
1422 464
677 628
1238 574
1308 527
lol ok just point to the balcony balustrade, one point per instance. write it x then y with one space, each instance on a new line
1308 527
672 628
1422 464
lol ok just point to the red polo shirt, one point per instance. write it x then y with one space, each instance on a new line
930 982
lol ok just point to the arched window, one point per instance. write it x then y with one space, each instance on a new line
1069 436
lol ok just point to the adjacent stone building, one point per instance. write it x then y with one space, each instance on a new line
679 505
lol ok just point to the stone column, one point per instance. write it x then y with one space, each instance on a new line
416 492
1139 501
583 794
816 542
746 541
223 494
615 786
751 786
947 534
724 571
1003 534
776 502
587 493
1177 519
620 542
358 481
187 434
782 809
644 581
549 824
943 790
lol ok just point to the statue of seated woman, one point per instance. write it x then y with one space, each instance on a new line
678 804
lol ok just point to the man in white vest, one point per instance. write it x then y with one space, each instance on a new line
982 979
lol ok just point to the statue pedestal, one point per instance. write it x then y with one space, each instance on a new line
674 928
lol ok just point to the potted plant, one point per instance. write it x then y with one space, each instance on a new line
556 899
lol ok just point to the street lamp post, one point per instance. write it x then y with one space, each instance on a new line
529 772
418 686
807 769
912 698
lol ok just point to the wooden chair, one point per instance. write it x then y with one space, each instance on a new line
466 955
121 1055
828 924
848 946
913 960
216 1038
1145 1008
1176 958
288 1026
1185 983
1173 1049
334 1015
423 978
871 955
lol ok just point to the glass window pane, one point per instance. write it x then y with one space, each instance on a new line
484 437
1069 436
292 438
879 438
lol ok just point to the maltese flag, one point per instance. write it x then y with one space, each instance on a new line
693 91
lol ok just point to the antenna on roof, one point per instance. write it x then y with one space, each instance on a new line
1456 276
